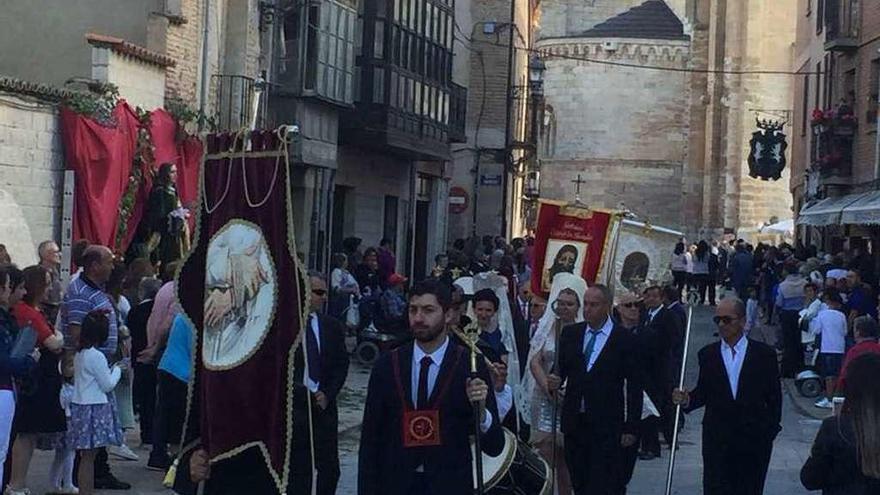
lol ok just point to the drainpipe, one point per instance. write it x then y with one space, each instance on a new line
877 145
204 69
504 182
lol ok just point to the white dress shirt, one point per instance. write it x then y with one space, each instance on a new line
652 313
434 370
601 339
316 331
733 361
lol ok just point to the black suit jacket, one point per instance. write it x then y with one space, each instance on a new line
753 418
385 466
603 386
334 357
661 341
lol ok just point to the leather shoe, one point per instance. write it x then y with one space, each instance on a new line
110 482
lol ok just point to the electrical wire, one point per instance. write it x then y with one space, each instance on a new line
612 63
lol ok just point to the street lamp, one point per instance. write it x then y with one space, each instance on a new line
536 74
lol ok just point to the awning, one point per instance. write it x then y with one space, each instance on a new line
784 227
827 211
863 211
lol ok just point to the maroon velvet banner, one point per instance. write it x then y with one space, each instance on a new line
569 239
240 286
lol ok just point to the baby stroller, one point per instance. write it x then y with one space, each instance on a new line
375 334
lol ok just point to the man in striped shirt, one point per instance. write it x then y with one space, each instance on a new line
86 294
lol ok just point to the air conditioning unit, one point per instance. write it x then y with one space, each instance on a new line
610 46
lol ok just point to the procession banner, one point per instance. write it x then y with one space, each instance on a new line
641 256
571 239
242 287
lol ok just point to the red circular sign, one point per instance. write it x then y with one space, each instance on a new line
458 200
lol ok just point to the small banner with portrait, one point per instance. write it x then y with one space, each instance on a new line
242 287
573 239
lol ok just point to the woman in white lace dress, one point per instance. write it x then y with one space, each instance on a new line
566 299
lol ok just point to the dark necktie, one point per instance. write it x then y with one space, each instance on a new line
422 402
591 344
312 353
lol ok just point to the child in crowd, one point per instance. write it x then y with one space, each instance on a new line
61 474
752 309
93 423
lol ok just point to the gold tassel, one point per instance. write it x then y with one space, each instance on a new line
171 475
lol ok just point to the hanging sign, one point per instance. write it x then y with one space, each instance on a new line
767 154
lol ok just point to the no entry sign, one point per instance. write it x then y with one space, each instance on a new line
458 200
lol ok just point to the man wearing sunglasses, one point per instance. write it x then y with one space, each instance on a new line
739 386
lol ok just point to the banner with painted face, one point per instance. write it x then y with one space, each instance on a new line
570 239
243 289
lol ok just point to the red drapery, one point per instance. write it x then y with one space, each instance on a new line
102 157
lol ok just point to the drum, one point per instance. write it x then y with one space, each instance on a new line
518 470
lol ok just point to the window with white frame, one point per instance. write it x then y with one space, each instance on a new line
329 61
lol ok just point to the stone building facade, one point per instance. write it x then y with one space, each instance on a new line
836 167
656 129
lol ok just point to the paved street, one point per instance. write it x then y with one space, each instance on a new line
789 453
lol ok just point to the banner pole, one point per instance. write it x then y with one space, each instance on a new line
692 298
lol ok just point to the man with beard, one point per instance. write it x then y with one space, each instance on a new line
418 416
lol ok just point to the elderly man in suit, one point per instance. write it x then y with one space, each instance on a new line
602 407
419 412
739 387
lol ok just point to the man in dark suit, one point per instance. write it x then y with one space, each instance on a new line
739 387
603 396
327 359
655 342
418 417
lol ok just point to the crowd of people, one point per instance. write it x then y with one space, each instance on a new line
85 363
585 376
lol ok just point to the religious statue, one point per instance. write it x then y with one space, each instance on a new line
166 219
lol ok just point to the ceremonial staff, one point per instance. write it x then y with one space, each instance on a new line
555 420
470 335
693 299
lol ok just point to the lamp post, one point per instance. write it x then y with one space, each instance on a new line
531 191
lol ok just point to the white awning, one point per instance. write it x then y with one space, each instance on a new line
827 211
864 211
784 227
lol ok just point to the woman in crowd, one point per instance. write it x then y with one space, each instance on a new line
541 409
11 292
367 274
123 393
679 267
138 270
845 458
343 287
37 410
700 263
144 381
173 377
93 423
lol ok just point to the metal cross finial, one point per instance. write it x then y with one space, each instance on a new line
578 182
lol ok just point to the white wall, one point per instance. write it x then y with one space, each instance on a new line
31 176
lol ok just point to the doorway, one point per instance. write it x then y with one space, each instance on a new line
337 232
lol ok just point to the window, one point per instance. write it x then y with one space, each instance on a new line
820 15
805 105
829 81
873 93
818 84
329 66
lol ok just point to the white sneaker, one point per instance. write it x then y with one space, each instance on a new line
10 491
124 452
67 490
824 403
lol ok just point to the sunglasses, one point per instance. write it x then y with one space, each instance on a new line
724 319
319 292
630 305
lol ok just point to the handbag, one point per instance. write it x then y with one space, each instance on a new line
24 345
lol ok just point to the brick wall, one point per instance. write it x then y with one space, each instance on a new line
31 176
183 44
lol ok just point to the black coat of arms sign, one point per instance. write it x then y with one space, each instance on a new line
767 154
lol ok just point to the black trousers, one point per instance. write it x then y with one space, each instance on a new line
144 398
170 412
792 353
649 435
326 425
595 458
730 469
